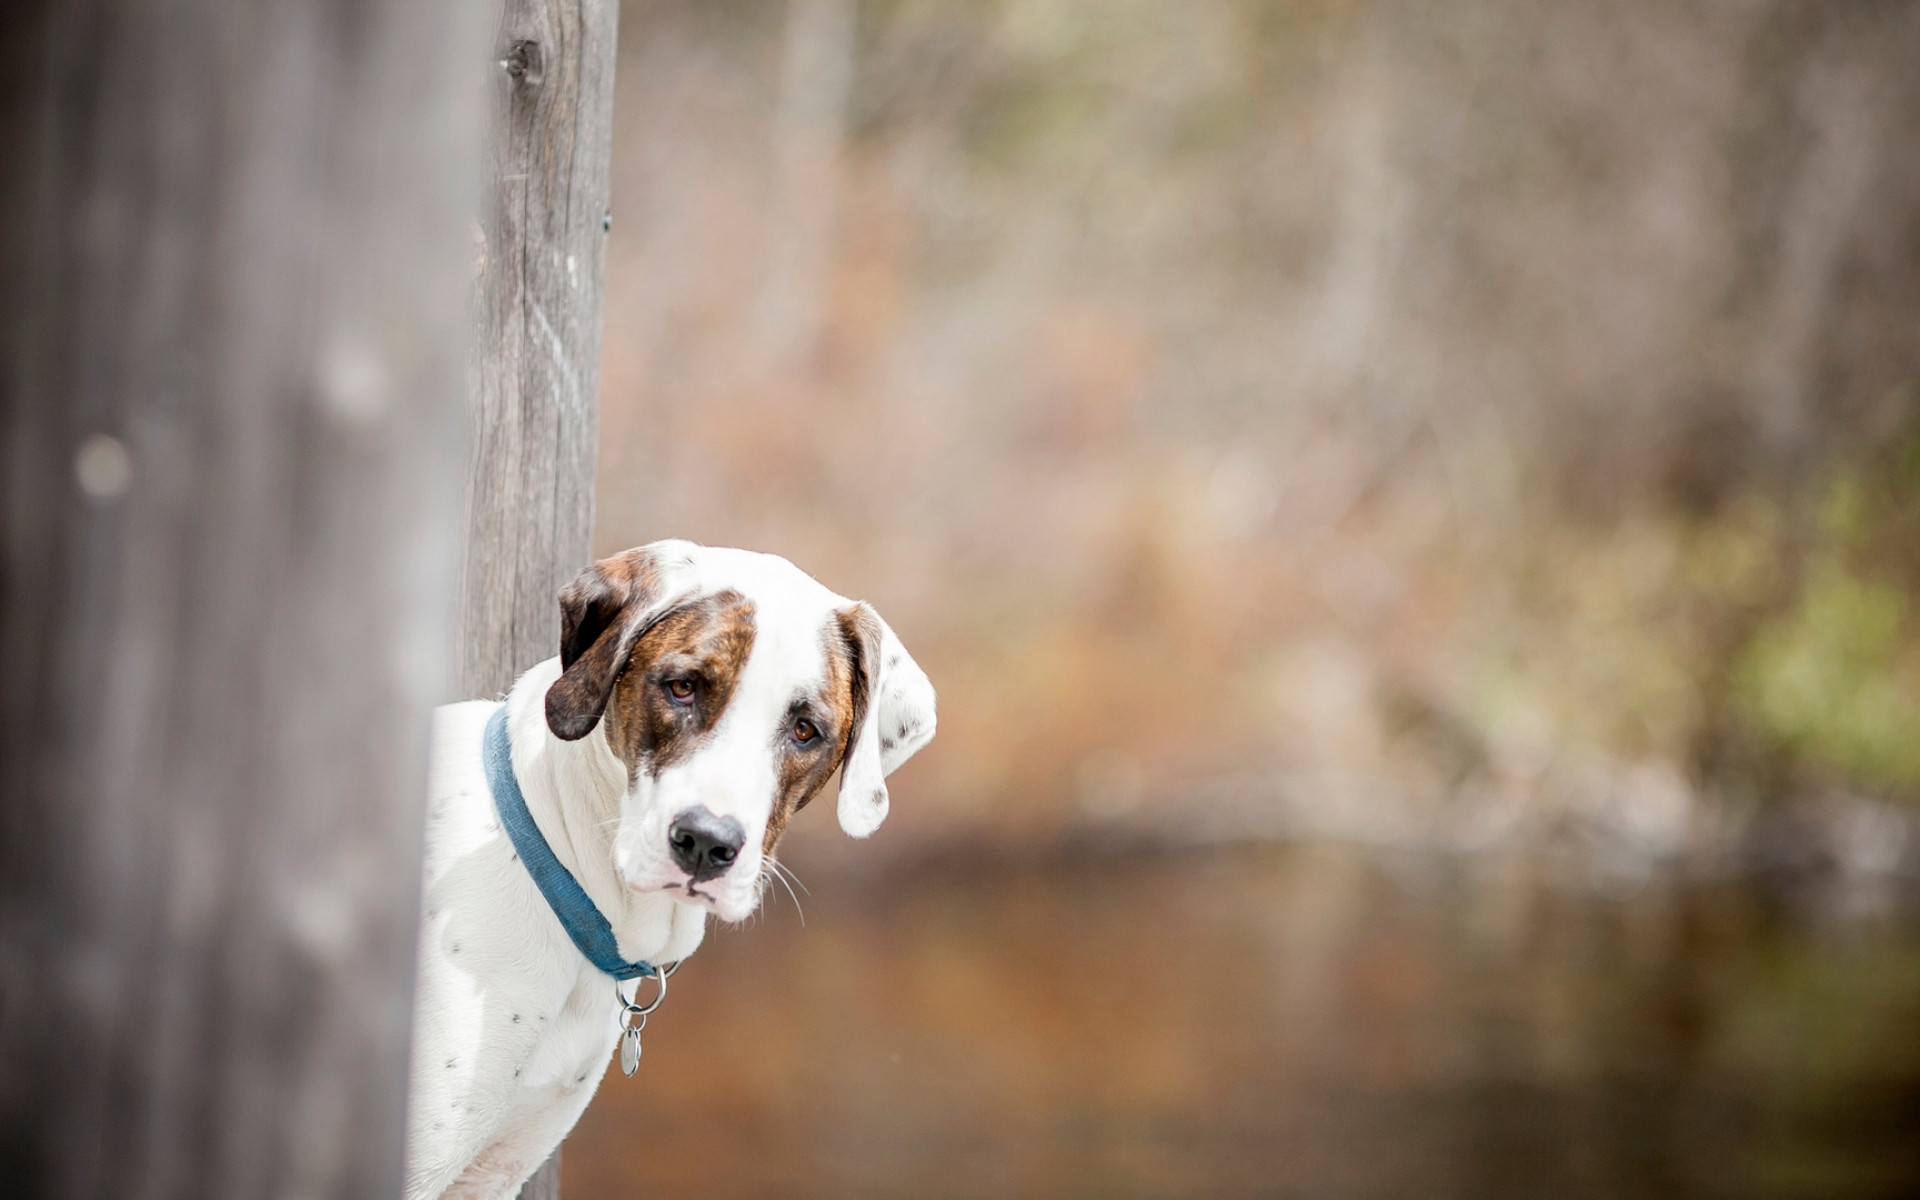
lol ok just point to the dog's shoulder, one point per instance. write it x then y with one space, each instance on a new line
459 805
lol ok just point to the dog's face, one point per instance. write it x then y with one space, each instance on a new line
732 686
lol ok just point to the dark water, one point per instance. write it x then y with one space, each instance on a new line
1280 1022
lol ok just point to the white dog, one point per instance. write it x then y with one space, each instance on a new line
701 697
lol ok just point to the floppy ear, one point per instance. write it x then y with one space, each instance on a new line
892 717
602 612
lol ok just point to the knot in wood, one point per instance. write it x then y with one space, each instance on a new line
523 61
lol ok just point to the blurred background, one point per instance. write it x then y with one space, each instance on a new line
1413 512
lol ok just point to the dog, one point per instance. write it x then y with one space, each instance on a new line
701 698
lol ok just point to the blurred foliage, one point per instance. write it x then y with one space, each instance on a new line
1835 678
1436 423
1827 680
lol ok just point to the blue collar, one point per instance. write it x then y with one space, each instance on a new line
569 901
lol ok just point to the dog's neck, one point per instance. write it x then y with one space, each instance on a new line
573 790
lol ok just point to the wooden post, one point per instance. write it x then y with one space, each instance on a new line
535 369
233 309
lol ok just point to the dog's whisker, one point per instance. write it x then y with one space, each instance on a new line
791 880
791 874
775 870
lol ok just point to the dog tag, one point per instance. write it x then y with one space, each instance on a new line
630 1050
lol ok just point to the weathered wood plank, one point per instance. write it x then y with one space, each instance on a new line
534 379
535 371
232 323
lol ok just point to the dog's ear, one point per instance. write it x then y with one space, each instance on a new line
892 716
602 612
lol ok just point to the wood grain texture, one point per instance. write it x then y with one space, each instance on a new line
535 373
233 317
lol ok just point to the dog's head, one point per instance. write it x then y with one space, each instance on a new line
732 686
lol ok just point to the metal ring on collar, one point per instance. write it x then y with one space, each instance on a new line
636 1009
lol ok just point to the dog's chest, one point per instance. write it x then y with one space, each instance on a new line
514 1027
535 1016
569 1048
556 1060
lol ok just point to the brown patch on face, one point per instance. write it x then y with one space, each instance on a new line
861 633
678 681
596 610
834 710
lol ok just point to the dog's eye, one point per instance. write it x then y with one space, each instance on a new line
805 732
681 690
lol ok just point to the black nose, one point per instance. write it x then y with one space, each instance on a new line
705 845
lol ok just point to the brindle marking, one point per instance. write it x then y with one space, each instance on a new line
834 710
705 643
598 611
860 633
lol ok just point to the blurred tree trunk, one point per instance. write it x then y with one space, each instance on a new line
232 313
535 369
